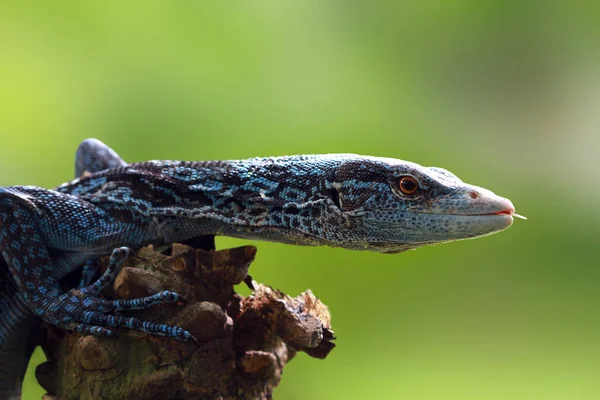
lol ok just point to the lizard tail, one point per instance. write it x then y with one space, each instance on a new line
16 345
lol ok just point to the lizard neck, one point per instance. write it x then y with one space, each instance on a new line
282 199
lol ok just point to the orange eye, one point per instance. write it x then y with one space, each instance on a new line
408 185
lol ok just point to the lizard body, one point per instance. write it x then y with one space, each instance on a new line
342 200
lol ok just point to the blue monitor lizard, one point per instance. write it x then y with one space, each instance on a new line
343 200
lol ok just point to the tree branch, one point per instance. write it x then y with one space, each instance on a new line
243 343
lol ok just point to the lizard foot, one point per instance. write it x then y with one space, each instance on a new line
81 309
85 313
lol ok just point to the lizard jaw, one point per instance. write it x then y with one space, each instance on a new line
508 209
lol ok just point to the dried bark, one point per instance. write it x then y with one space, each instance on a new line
243 342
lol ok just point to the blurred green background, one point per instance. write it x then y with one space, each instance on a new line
504 94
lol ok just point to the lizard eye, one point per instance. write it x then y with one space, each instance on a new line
408 185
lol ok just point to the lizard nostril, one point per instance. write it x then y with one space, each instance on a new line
474 195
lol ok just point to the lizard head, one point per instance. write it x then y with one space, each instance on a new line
394 205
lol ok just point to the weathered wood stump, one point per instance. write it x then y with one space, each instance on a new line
243 342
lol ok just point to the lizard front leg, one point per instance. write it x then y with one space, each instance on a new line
28 218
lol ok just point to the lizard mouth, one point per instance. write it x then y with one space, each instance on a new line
503 207
489 206
510 212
